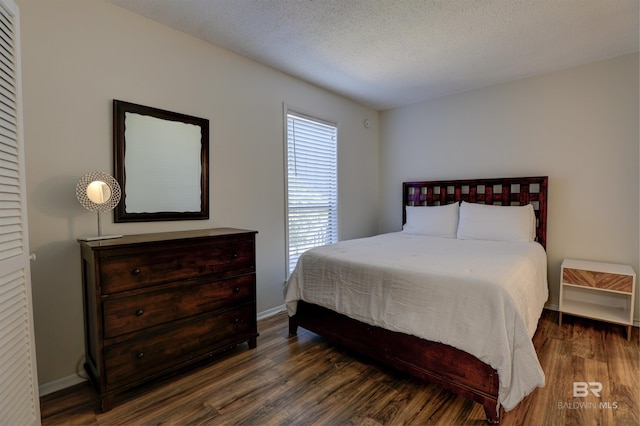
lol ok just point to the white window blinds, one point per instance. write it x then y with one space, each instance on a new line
312 184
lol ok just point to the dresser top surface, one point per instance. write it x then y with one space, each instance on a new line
165 236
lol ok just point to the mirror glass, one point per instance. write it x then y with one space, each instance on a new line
98 192
161 162
155 167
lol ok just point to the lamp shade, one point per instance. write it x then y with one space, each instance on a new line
98 192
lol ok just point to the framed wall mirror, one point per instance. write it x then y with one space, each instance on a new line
161 161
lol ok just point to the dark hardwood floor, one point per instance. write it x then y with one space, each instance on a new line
307 381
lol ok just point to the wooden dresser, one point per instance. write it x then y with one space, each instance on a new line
155 304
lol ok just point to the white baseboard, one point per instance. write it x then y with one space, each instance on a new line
63 383
271 312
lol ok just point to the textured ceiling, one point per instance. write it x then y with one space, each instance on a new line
389 53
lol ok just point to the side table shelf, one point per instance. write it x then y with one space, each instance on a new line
597 290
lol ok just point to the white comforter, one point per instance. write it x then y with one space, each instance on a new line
483 297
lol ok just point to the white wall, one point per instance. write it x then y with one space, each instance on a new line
578 126
79 55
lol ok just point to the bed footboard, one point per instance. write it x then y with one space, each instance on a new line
448 367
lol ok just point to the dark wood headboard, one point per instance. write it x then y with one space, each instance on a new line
516 191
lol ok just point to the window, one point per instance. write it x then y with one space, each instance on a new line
312 190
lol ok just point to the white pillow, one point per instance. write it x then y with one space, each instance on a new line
496 223
434 221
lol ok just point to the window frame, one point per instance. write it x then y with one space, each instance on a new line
287 110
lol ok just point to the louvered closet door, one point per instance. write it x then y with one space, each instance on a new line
19 402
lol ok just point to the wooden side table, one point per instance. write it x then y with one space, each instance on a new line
597 290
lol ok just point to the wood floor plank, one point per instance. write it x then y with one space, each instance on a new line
590 344
345 401
305 380
405 403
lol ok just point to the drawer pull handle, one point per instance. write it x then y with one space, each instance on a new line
235 255
140 355
139 312
237 320
236 289
135 271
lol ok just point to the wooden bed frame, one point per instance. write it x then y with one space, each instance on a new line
448 367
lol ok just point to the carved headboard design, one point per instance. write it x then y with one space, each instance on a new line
515 191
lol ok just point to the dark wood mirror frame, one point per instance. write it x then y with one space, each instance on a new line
120 108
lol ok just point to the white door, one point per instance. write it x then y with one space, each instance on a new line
19 401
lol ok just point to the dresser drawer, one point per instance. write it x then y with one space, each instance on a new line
164 348
132 271
595 279
146 310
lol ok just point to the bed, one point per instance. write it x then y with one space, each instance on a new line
453 299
